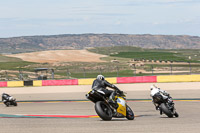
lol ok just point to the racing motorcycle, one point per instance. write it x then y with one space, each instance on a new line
10 101
105 110
166 106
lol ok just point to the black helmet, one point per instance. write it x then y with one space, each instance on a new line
100 77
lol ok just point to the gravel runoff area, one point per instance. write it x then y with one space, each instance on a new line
147 118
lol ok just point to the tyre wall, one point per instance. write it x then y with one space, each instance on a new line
115 80
179 78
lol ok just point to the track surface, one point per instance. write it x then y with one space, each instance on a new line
148 119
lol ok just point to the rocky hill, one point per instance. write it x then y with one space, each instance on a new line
81 41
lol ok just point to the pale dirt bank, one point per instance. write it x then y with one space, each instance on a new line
60 56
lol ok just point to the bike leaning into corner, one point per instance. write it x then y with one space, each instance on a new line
106 110
163 102
8 100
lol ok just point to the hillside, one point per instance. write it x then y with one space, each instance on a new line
115 61
81 41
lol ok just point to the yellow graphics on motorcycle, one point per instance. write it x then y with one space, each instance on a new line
122 106
107 111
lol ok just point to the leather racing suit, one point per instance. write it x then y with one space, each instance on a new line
101 85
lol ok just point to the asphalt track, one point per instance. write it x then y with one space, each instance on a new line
79 115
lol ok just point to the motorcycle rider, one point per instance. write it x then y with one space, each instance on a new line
166 96
100 84
6 97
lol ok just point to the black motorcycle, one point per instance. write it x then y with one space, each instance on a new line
165 106
105 110
10 102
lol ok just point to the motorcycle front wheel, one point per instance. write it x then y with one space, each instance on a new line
103 110
129 113
14 103
7 104
176 114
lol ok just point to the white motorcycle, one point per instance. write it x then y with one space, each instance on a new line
164 103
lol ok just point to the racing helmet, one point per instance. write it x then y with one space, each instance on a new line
100 77
152 87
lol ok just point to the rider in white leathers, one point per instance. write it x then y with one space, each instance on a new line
164 94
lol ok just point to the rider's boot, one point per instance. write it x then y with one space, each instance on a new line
157 108
171 103
170 100
112 100
113 103
160 112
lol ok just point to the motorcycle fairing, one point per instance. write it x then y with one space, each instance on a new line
121 106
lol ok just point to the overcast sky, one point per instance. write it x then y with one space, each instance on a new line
52 17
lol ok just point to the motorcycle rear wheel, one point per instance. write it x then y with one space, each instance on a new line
165 110
103 110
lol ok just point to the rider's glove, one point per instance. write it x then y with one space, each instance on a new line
115 87
166 94
120 92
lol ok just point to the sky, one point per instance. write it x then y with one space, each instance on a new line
53 17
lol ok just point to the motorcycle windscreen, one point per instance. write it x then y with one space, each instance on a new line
122 106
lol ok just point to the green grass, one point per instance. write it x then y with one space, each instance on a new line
12 63
163 56
113 50
121 73
180 55
194 54
8 59
15 65
177 65
124 73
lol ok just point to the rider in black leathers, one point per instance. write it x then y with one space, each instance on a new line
100 84
5 97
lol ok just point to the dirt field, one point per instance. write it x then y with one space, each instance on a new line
60 56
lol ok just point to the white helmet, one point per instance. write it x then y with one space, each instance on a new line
100 77
153 87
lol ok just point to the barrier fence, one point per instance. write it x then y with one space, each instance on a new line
109 70
115 80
